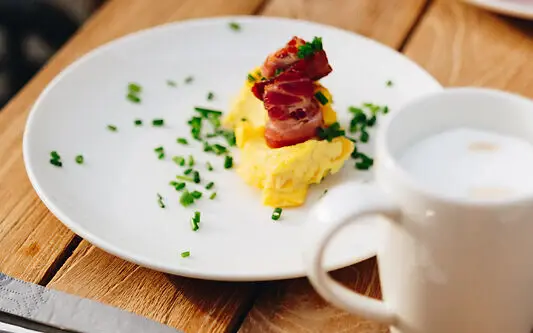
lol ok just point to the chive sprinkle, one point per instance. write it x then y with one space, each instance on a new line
276 214
133 98
185 254
251 78
159 149
207 112
213 196
161 155
196 177
112 128
195 221
160 201
209 185
189 79
209 166
228 162
55 162
191 160
180 186
235 26
185 178
389 83
179 160
171 83
158 122
210 96
134 88
188 171
321 98
138 122
196 194
183 141
186 199
54 155
79 159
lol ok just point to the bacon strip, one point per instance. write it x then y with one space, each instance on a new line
293 111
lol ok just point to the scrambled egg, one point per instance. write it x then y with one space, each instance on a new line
283 174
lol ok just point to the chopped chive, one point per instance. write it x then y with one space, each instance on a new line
160 201
185 254
364 137
251 78
196 177
158 122
219 149
188 171
183 141
138 122
79 159
173 183
112 128
321 98
196 194
196 127
371 121
309 48
179 160
191 160
180 186
211 135
161 155
185 178
210 96
209 185
235 26
197 216
229 136
134 88
228 162
331 132
56 162
385 109
195 221
207 112
194 225
186 199
207 147
159 149
171 83
389 83
54 155
209 166
276 214
133 98
213 195
189 79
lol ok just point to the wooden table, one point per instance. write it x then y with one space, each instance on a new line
458 44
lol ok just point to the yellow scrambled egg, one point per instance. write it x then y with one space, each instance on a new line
283 174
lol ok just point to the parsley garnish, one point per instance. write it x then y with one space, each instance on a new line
309 48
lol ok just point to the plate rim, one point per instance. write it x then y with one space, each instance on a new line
140 260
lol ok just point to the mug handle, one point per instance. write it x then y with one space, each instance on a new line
365 199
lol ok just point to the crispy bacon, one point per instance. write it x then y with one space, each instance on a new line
288 94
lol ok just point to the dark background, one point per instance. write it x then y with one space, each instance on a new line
31 31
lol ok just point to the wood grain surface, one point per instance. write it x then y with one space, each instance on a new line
457 43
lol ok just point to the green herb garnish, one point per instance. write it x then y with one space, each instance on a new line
171 83
229 136
276 214
196 127
195 221
207 112
184 178
196 177
55 162
251 78
158 122
389 83
209 166
210 96
191 160
278 71
213 195
188 171
189 79
219 149
234 26
228 162
185 254
160 201
134 88
364 163
112 128
186 199
179 160
321 98
329 133
310 48
79 159
54 155
180 186
209 185
138 122
133 98
183 141
196 194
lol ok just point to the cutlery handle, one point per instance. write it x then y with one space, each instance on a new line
345 205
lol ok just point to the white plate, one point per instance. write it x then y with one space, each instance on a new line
111 199
517 8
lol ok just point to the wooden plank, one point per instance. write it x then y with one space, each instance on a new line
33 241
293 305
463 45
387 21
187 304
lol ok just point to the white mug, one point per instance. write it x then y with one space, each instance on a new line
446 265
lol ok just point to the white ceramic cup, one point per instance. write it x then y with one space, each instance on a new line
446 265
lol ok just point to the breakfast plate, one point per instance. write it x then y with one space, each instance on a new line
517 8
112 120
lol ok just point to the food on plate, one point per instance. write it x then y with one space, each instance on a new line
278 118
